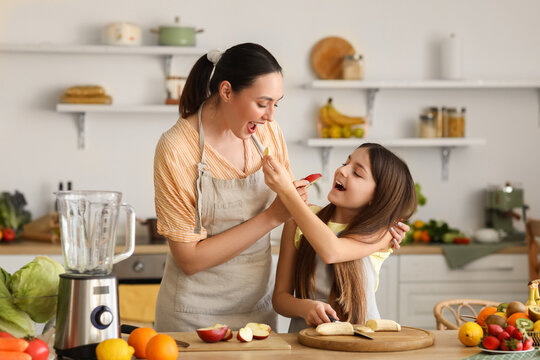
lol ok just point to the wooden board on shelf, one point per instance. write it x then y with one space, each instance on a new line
327 57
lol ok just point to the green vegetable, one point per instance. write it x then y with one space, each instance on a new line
421 198
35 288
12 213
14 321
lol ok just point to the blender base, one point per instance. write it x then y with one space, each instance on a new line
84 352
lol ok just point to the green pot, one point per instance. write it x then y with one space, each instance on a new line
174 35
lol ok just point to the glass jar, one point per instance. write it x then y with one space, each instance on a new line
437 116
353 67
454 123
427 128
462 122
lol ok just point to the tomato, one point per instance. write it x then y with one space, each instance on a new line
8 234
37 349
5 334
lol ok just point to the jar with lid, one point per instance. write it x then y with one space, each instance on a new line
455 123
353 67
437 116
427 128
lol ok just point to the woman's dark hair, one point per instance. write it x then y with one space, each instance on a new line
240 65
394 199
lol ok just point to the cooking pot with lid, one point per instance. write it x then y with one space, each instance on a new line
175 35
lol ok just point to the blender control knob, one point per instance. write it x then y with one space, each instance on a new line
138 266
102 317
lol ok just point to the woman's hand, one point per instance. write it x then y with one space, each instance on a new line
316 312
398 233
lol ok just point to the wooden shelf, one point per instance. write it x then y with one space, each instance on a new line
425 84
445 144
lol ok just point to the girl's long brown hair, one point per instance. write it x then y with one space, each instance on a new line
394 199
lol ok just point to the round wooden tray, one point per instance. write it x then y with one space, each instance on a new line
408 338
327 57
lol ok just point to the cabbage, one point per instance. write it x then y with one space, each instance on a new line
14 321
35 288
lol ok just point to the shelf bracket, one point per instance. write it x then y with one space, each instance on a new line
81 129
371 94
325 158
538 92
168 65
445 160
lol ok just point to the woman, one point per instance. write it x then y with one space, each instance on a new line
211 200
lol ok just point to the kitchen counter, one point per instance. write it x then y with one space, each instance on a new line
24 247
447 346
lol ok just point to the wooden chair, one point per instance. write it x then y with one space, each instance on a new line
455 309
533 236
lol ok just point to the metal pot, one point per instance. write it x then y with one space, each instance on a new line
175 35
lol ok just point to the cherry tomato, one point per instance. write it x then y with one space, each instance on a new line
37 349
8 234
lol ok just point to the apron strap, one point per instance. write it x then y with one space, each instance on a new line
201 167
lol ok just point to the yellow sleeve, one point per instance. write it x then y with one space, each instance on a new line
377 259
298 235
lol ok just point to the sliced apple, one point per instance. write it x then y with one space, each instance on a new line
260 331
245 334
228 335
212 334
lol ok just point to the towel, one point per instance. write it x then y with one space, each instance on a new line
138 302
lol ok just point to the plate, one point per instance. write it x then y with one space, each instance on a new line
505 351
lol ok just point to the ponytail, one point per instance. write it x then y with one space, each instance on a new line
195 90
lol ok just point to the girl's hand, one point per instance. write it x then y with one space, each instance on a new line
316 312
398 232
277 177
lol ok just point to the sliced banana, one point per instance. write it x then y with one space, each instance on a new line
266 151
335 328
363 328
383 325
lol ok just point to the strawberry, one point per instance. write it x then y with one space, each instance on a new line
494 329
503 336
491 342
509 329
527 344
519 347
517 334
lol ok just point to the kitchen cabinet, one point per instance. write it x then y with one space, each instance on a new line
12 263
372 88
411 285
80 110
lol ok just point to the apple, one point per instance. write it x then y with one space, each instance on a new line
260 331
312 178
212 334
228 335
245 334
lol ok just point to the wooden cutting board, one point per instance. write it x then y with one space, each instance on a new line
408 338
273 342
327 57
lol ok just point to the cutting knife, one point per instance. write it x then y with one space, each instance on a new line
356 332
128 329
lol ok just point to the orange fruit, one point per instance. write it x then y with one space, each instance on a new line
470 334
161 347
424 236
139 338
512 318
484 313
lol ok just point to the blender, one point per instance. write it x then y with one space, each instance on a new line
87 311
501 203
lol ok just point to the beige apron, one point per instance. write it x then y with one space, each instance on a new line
236 292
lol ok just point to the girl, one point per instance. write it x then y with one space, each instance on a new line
343 246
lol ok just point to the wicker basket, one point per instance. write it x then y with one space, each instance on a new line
535 335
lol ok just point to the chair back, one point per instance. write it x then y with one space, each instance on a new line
455 309
533 236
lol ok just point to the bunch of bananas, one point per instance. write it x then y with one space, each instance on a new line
337 125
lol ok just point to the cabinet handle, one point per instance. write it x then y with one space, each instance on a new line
495 268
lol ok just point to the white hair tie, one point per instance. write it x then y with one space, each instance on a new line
214 56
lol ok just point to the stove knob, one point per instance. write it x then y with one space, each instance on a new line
138 266
102 317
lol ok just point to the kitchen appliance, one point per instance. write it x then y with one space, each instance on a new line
175 35
87 310
501 204
121 33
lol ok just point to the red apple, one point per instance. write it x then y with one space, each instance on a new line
491 342
245 334
212 334
312 178
228 335
260 331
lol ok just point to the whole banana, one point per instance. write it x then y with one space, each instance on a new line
335 117
324 116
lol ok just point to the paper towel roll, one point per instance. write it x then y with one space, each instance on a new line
452 58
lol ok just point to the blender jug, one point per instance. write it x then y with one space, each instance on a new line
88 222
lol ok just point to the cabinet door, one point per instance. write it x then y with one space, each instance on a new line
418 300
282 322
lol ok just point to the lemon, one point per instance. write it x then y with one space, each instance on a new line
470 334
358 132
335 131
417 234
501 314
418 224
114 349
536 325
346 132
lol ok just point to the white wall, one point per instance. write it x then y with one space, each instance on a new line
398 38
